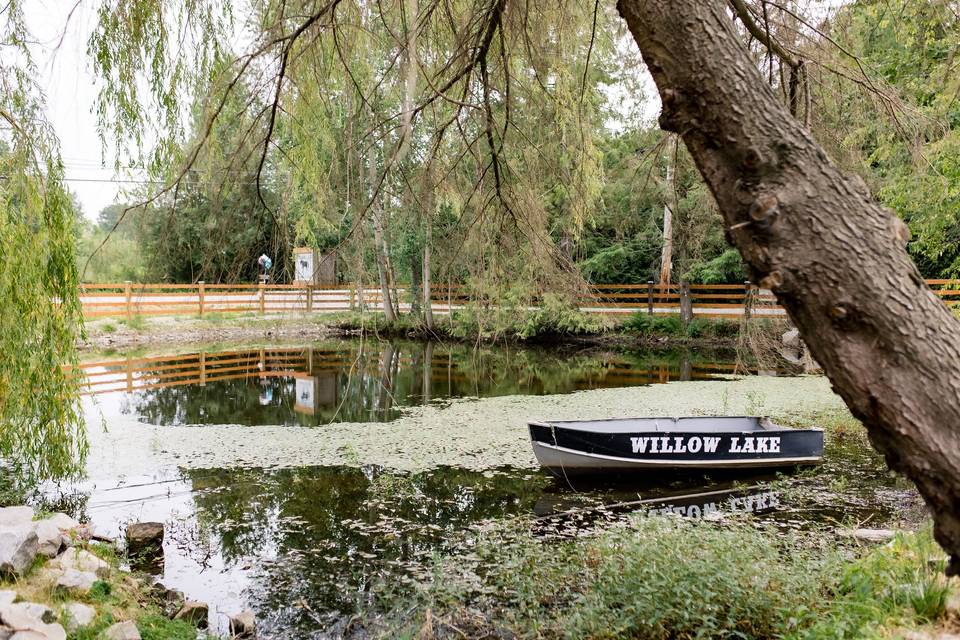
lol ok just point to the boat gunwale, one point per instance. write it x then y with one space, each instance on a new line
698 462
777 428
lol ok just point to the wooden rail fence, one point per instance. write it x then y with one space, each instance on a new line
127 299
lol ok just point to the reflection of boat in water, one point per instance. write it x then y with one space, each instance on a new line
554 510
644 444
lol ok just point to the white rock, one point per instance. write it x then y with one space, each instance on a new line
13 516
64 522
18 548
49 538
7 597
122 631
48 632
243 625
27 616
78 616
872 535
80 560
78 582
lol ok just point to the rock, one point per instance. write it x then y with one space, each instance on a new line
121 631
7 597
171 599
144 536
5 633
14 516
791 338
145 546
78 616
31 621
49 538
40 611
76 582
194 612
49 632
18 548
243 625
872 535
952 607
81 560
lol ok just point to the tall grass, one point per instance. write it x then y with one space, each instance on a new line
661 578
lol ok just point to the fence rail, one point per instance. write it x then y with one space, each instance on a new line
127 299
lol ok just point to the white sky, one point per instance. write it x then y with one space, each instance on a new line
71 95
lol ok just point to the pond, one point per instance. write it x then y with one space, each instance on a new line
415 452
364 380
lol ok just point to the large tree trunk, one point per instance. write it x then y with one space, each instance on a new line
834 258
666 250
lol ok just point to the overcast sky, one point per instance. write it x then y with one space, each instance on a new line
71 93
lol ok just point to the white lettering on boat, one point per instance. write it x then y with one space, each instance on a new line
706 444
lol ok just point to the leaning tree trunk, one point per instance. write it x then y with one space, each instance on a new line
834 258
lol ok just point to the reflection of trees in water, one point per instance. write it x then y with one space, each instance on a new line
340 533
364 381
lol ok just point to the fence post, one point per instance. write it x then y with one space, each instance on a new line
127 289
203 368
203 287
263 291
747 299
129 375
309 298
686 304
649 297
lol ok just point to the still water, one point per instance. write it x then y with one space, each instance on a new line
364 381
307 547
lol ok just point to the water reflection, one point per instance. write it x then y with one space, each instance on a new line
304 547
365 381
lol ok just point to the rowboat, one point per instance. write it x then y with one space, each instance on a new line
684 443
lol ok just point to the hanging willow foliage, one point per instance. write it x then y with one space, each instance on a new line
41 429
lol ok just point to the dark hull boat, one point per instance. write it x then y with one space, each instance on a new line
691 443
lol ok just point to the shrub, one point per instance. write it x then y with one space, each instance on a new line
553 316
672 326
649 325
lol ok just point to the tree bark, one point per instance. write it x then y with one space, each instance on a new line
666 250
834 258
380 245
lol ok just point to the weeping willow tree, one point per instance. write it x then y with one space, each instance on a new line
41 432
427 141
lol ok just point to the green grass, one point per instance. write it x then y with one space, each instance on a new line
664 578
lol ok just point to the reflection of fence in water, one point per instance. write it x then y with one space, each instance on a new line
303 364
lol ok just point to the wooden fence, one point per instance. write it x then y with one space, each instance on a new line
715 300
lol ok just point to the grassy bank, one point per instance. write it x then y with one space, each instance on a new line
660 578
546 325
119 597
